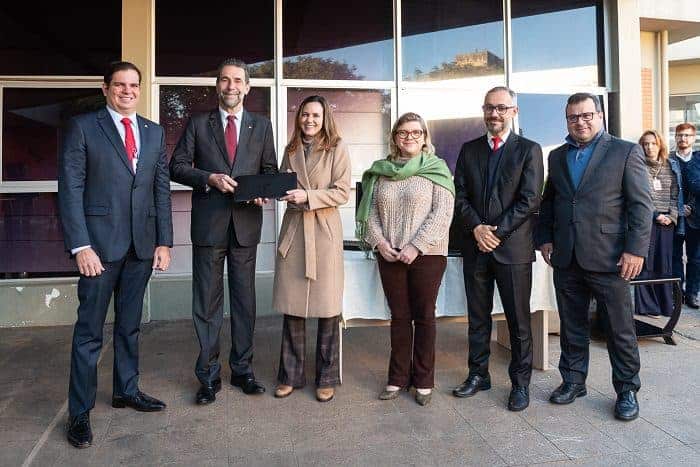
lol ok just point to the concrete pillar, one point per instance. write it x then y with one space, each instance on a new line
138 46
629 64
664 103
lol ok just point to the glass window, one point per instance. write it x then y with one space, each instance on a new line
571 59
177 103
32 123
684 109
452 39
193 41
330 40
363 118
541 119
49 38
29 223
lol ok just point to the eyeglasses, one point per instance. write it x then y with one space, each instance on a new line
684 135
404 134
586 117
500 109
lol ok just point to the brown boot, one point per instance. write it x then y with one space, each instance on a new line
324 394
283 390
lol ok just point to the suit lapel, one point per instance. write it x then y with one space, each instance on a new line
482 160
146 141
596 157
563 165
107 124
247 125
217 131
312 162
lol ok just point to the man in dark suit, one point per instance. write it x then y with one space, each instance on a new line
499 180
216 147
114 203
688 230
595 223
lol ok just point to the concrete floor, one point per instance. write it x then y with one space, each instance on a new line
355 428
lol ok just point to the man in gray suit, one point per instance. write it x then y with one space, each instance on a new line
216 147
595 223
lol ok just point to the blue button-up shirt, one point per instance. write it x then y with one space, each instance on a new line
578 157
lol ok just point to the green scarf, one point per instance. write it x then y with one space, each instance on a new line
425 165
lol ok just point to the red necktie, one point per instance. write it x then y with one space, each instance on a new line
129 142
496 143
231 138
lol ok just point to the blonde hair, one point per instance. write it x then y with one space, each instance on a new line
663 147
394 151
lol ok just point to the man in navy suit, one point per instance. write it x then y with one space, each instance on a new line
114 202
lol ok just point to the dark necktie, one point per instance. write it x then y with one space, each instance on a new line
231 138
496 143
129 143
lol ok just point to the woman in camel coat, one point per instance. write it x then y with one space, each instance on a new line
309 264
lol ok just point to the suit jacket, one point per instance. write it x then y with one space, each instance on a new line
200 152
610 212
513 200
691 188
102 203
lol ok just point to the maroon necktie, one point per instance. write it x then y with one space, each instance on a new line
496 143
129 143
231 138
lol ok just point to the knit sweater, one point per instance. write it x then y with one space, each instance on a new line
665 199
412 211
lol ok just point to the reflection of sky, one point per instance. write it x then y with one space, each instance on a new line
542 118
555 40
374 60
431 49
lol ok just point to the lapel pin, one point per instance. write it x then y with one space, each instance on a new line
250 127
145 126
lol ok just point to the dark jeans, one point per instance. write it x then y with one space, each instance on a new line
293 352
411 291
691 278
574 288
656 299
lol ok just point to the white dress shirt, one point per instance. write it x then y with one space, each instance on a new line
504 138
224 121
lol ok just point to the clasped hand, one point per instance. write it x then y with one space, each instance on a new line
486 241
408 255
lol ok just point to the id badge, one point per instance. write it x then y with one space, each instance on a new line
657 184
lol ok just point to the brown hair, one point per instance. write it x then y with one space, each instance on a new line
394 151
663 147
686 126
233 62
327 138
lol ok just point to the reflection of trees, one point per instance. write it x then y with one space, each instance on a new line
178 102
478 63
305 66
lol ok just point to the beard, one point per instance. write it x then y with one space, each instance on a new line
496 125
230 100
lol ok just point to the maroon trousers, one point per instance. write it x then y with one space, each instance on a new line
411 291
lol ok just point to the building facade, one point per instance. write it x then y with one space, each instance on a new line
372 59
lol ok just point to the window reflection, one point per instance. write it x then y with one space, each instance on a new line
684 109
571 59
49 38
194 41
178 103
327 40
32 125
452 39
364 122
29 224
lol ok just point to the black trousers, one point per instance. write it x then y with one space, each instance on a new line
292 355
656 299
208 306
514 285
574 288
127 279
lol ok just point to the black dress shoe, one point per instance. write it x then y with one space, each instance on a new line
79 431
248 384
141 402
472 385
691 302
519 398
566 393
207 394
626 407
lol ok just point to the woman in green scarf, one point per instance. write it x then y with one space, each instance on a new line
405 215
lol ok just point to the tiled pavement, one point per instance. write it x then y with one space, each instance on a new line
355 428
